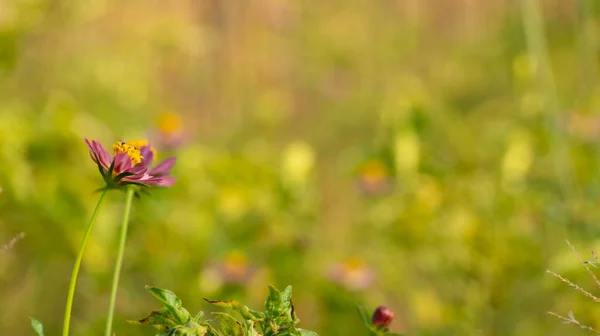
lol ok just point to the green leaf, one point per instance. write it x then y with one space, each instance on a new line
165 296
172 303
288 305
160 319
189 329
364 315
37 326
248 326
210 331
304 332
198 317
274 305
246 312
229 325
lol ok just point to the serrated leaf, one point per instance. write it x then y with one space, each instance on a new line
246 312
172 303
37 326
229 325
160 319
304 332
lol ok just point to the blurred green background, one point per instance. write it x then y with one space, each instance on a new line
432 156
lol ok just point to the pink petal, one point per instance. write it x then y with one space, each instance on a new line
93 153
138 172
163 168
148 155
98 154
166 181
122 163
102 155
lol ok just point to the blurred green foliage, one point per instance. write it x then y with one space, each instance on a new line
429 156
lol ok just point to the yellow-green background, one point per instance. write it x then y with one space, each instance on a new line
490 135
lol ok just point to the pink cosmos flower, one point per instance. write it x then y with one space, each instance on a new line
131 164
169 133
374 178
354 274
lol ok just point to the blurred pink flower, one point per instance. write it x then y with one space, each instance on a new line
169 132
234 269
354 274
583 125
131 164
374 178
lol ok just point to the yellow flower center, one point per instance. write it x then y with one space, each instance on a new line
354 264
169 123
130 149
138 143
142 143
235 263
374 170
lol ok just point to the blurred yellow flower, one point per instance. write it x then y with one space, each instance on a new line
427 308
524 67
517 158
407 152
298 161
430 195
233 201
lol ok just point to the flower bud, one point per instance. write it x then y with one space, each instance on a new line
382 316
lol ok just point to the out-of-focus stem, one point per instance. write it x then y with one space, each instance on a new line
120 252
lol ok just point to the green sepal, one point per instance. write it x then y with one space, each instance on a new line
121 176
108 175
37 326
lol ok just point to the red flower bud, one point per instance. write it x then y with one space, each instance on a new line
382 316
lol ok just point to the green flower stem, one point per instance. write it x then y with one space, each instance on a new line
115 283
77 265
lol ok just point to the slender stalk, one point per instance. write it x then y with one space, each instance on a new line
75 272
535 38
115 283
